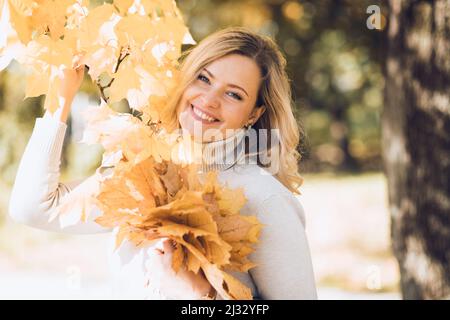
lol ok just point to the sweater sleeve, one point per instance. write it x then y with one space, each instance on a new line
37 189
284 268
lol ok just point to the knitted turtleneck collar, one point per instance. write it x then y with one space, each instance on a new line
222 154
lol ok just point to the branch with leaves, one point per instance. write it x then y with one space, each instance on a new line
102 89
147 194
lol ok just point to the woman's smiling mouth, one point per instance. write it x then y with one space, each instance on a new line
198 115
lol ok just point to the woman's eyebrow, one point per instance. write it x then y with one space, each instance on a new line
230 84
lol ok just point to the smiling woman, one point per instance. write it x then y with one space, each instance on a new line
217 102
238 78
232 80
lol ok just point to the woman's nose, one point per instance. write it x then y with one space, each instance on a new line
210 100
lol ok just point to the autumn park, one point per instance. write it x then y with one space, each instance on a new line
100 192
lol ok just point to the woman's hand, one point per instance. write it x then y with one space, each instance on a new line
162 279
70 82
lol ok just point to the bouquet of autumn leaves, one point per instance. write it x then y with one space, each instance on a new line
147 187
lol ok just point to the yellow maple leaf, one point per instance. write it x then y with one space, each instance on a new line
229 200
98 41
20 12
135 30
46 59
123 5
226 285
136 84
78 204
50 17
131 193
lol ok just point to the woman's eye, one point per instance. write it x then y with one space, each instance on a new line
238 97
203 77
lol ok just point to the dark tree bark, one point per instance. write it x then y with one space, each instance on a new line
416 141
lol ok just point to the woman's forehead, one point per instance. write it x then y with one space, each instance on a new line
237 70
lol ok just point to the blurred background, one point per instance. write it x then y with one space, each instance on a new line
335 63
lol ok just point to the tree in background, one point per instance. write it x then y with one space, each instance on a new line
416 127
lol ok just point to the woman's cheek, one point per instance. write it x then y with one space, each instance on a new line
231 120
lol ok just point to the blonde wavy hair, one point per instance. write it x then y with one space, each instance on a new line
274 91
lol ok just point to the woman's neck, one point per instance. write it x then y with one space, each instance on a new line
222 154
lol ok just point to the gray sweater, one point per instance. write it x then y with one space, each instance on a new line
284 268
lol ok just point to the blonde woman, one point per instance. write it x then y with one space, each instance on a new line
233 81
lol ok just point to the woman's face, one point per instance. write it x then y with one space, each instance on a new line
222 97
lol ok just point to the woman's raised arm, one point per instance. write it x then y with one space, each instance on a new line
37 190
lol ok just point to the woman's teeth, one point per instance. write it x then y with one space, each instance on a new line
202 115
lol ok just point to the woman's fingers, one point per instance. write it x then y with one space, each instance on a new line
165 247
80 70
77 61
183 284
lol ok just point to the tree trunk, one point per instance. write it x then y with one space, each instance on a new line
416 143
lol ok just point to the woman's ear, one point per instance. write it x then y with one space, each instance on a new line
257 113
